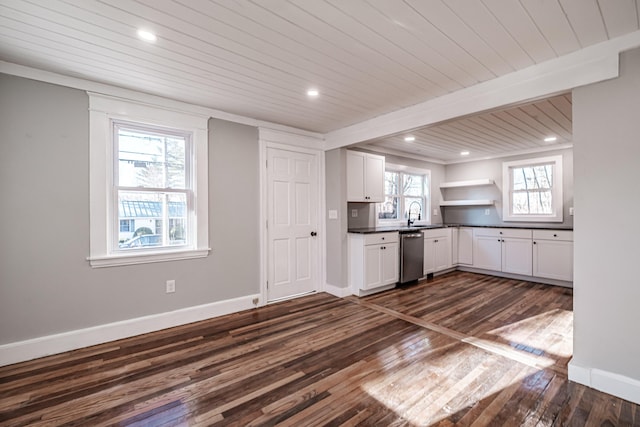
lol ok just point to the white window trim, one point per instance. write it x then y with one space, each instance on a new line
427 208
557 215
103 109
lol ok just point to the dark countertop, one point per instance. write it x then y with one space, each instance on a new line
405 229
393 228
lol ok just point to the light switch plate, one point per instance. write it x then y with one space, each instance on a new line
435 212
571 211
333 214
171 286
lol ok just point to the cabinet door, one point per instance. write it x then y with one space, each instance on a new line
465 246
355 176
374 178
553 259
429 264
442 255
487 252
517 256
372 266
390 263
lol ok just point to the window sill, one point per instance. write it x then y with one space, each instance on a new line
145 258
533 219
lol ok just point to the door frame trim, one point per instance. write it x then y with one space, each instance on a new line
265 144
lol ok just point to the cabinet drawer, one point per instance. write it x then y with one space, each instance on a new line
436 232
378 238
502 232
563 235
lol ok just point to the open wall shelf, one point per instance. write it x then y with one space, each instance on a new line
467 202
479 202
471 183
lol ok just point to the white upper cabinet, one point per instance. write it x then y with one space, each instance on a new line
365 177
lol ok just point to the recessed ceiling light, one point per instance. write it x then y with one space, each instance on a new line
464 153
550 138
147 36
313 93
410 138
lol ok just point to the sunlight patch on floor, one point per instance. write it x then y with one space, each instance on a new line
426 394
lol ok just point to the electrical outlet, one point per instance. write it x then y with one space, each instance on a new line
435 212
487 212
354 213
171 286
571 211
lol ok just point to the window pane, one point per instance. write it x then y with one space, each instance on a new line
533 202
149 212
533 177
388 209
177 213
391 183
151 160
413 205
412 185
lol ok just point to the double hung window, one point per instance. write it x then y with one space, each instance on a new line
153 184
406 197
148 183
533 190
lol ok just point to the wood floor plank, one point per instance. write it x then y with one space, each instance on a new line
461 349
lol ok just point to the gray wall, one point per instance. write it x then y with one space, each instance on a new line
336 196
46 284
606 130
492 169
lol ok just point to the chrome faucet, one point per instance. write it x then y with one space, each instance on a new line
409 221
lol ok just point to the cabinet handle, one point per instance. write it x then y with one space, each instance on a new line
314 234
555 235
534 243
382 238
498 240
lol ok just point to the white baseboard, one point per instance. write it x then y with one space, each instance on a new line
58 343
336 291
608 382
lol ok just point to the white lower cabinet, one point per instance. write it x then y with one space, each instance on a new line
553 254
516 255
465 246
373 261
437 250
501 249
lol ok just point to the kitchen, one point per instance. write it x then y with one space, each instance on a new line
466 191
455 239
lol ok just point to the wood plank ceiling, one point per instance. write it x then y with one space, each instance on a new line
514 130
257 58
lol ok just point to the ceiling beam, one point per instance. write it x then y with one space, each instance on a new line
590 65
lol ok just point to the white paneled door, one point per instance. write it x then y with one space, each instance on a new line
292 223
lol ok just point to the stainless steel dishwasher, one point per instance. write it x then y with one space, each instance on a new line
411 256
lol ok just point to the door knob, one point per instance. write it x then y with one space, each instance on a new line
314 234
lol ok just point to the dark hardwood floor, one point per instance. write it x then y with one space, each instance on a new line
462 349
